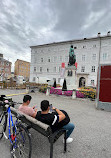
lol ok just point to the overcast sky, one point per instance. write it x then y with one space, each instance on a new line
24 23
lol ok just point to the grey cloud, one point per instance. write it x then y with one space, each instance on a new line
100 5
28 22
70 16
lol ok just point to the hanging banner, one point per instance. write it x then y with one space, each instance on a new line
76 65
62 70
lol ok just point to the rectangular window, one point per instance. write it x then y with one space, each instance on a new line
54 69
59 80
104 56
94 57
66 58
47 69
34 69
93 68
60 58
84 46
54 79
83 57
40 69
33 78
41 60
35 60
94 45
55 58
48 59
83 69
92 82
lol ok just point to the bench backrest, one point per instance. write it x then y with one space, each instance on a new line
30 121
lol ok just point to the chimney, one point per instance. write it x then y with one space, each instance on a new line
99 34
108 33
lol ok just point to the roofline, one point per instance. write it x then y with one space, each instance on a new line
22 60
74 40
5 60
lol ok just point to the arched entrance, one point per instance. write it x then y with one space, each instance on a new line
82 82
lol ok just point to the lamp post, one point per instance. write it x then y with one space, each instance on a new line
98 75
99 49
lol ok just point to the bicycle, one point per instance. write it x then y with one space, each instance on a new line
18 134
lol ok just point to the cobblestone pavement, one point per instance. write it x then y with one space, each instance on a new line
92 134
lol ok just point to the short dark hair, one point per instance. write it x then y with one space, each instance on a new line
26 98
44 105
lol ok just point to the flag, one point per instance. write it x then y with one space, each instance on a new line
62 70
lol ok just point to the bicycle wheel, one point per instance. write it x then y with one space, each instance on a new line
21 146
3 123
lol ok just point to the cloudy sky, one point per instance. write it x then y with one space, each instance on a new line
24 23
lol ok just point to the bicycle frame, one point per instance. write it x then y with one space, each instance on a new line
17 133
11 126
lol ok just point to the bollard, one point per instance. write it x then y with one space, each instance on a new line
74 94
48 91
27 88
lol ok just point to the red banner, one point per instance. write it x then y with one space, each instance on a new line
63 65
76 65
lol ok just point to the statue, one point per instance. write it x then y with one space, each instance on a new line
72 56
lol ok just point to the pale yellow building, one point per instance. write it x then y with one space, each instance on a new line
22 68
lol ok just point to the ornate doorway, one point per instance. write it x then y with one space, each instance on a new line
82 82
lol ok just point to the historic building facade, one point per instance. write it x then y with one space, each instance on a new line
22 68
5 68
46 59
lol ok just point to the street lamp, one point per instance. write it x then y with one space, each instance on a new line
99 35
98 75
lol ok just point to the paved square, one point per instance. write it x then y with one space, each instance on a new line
92 134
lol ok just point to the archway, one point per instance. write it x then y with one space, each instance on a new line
82 82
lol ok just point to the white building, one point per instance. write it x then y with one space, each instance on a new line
46 59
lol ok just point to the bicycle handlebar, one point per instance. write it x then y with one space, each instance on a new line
3 103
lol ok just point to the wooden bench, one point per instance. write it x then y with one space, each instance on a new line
42 128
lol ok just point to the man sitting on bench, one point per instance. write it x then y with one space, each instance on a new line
55 119
31 111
